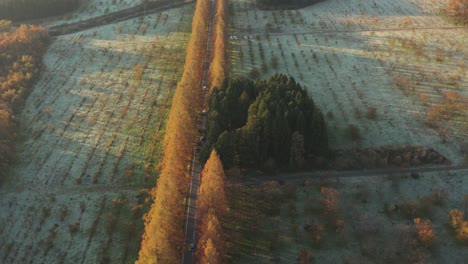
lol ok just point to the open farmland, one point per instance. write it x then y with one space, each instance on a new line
93 8
388 69
274 223
383 73
92 130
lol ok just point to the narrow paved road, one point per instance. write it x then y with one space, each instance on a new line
190 223
195 168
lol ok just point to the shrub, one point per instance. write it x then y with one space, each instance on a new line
424 232
304 257
354 132
330 207
459 224
371 112
459 10
413 209
315 232
437 197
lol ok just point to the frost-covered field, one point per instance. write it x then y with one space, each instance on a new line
398 57
401 58
370 233
91 133
94 8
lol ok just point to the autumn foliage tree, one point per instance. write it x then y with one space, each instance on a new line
219 63
21 51
164 224
424 232
459 224
212 206
211 195
459 10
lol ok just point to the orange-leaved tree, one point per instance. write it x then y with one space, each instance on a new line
163 237
210 254
212 206
211 195
219 64
459 10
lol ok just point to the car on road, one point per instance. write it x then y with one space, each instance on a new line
192 247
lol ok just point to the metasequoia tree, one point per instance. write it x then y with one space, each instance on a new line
210 254
210 229
211 207
163 236
218 64
211 195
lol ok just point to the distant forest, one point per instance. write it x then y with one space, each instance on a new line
31 9
274 4
266 124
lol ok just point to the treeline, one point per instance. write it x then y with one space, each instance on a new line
211 209
459 10
272 4
164 224
218 65
268 123
30 9
21 53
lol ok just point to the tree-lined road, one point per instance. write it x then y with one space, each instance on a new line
195 168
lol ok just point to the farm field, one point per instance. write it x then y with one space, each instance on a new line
395 71
91 133
93 8
389 69
281 223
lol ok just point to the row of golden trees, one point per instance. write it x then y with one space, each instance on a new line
21 51
163 238
219 63
212 208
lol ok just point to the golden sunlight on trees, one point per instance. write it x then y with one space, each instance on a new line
424 232
210 255
459 224
212 194
164 223
212 206
219 63
459 10
21 51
